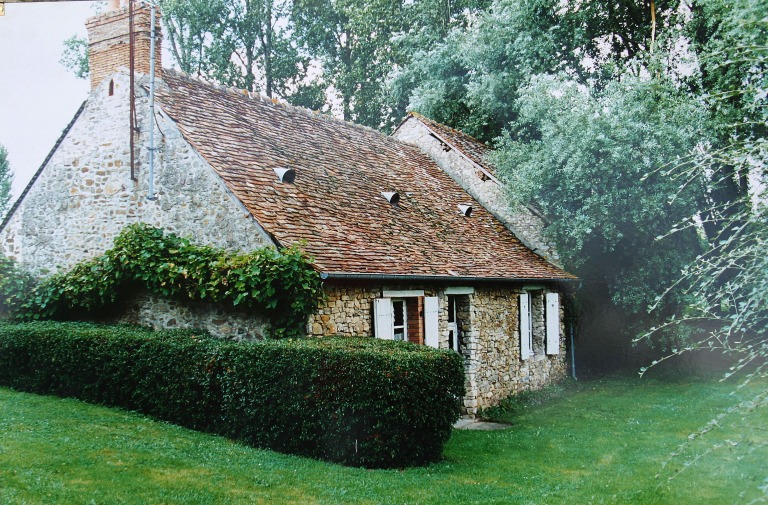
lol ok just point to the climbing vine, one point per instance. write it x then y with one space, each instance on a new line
282 284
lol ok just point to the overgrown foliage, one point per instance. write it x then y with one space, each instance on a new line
579 154
728 282
360 402
280 284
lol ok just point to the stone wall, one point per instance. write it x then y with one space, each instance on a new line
160 312
490 343
494 368
521 221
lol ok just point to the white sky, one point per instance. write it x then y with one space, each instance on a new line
38 96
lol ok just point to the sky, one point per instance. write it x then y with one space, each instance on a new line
38 96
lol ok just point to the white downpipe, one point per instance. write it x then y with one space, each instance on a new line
151 193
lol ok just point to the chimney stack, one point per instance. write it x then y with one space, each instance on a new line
109 41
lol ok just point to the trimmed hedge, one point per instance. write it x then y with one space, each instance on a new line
355 401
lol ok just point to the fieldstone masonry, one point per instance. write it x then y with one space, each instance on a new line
489 319
159 312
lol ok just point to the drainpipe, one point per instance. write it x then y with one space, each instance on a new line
151 194
573 353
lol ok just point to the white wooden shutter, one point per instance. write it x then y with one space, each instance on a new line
383 320
526 337
553 323
431 313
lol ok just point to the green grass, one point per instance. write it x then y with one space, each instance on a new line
594 442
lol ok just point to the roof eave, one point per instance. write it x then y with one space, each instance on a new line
442 278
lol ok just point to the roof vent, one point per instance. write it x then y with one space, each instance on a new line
466 210
391 196
287 175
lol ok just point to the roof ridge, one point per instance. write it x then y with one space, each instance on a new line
425 118
277 103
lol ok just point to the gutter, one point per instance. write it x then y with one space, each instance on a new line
438 278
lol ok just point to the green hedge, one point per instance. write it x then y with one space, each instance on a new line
356 401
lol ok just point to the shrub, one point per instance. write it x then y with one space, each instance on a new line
13 285
282 284
356 401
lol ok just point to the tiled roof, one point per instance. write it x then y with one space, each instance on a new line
335 207
468 145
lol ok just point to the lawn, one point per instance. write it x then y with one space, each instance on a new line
594 442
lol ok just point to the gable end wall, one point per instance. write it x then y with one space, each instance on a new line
519 220
84 196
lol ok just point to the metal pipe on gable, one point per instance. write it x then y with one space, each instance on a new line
132 87
151 192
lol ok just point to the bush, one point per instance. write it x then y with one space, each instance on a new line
282 284
356 401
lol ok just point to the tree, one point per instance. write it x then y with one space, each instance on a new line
6 178
75 56
728 282
247 44
487 63
580 154
190 25
352 41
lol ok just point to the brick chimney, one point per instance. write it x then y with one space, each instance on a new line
109 43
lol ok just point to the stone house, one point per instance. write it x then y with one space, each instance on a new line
411 233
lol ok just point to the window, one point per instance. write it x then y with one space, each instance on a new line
539 324
399 320
454 324
407 316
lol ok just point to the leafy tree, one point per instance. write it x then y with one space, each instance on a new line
352 42
190 25
428 23
243 43
75 56
727 41
728 282
580 155
487 64
6 178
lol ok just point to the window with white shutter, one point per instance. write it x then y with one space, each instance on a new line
552 314
383 321
526 326
431 313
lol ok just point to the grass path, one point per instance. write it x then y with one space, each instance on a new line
599 442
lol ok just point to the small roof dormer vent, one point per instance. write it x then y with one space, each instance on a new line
392 197
466 210
286 175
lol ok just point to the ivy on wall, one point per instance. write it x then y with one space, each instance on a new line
282 284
